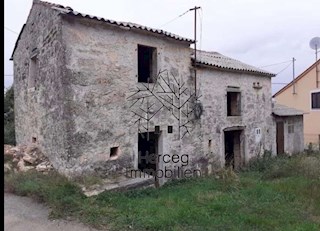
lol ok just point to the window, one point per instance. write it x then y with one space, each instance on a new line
114 152
33 72
233 103
290 127
315 100
157 129
147 63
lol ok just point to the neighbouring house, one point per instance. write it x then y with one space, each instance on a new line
289 129
303 93
101 96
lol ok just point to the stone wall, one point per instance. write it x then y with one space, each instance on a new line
82 104
255 112
39 110
102 63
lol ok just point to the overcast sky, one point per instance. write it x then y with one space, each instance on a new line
257 32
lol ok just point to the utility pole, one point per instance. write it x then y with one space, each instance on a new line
293 76
195 48
317 70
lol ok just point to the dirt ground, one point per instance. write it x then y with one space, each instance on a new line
24 214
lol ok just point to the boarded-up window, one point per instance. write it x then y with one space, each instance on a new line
147 63
233 103
315 100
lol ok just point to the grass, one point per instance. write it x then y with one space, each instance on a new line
274 194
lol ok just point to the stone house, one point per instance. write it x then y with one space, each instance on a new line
100 96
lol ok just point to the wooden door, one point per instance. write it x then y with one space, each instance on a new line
280 138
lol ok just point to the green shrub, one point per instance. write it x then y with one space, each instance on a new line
9 132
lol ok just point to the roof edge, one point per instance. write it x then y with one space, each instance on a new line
236 70
297 79
16 44
130 25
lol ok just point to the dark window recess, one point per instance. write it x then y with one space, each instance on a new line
233 104
209 143
114 151
315 100
34 139
147 63
157 129
170 129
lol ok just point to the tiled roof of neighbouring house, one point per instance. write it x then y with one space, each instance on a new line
219 61
282 110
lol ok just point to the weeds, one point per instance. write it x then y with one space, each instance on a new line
281 193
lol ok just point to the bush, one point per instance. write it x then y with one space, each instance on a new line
287 166
9 132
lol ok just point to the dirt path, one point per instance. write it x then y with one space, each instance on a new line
24 214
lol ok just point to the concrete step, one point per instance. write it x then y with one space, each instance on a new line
119 184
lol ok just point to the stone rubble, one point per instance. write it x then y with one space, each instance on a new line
24 158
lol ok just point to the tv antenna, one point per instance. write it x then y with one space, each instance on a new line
315 45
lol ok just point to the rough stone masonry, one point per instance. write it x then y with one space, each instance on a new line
95 94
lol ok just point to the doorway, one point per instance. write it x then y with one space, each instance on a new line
280 138
232 147
148 152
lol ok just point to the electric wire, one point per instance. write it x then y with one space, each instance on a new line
174 19
284 68
276 64
11 30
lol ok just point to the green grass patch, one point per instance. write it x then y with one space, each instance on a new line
282 194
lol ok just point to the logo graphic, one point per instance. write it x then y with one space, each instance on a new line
166 92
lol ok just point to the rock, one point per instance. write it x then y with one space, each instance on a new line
20 165
26 155
22 168
34 151
7 149
27 168
44 166
7 168
29 159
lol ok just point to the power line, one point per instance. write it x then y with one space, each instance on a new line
280 83
8 75
174 19
276 64
11 30
284 68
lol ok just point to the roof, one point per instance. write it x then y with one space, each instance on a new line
16 44
217 60
66 10
298 78
282 110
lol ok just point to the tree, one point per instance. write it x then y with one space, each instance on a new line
9 132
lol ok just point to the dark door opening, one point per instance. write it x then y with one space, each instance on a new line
148 152
232 149
280 138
